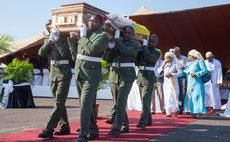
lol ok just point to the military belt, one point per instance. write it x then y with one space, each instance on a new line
59 62
146 68
117 65
88 58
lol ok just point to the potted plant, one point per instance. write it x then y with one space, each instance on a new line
18 71
20 76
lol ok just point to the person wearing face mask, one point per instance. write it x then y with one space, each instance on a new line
88 52
212 94
171 71
195 97
122 75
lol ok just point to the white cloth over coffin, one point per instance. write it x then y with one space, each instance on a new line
119 22
46 77
212 93
37 77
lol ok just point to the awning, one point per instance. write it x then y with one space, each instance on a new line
21 45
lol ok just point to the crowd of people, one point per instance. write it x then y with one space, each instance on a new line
181 83
176 79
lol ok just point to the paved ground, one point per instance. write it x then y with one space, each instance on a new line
211 129
17 120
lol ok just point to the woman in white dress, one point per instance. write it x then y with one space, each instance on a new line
172 71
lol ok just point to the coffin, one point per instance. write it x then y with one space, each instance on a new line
70 17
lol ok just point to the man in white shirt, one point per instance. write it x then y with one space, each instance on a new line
158 86
212 94
183 60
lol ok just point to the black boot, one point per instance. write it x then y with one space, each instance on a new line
114 132
78 130
62 131
46 134
92 136
124 129
149 121
109 121
140 125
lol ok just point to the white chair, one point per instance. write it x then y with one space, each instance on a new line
8 88
73 83
37 77
46 77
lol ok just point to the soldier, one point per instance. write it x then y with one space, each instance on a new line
122 75
146 78
56 47
88 51
109 58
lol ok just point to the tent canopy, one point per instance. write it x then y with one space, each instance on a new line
143 11
29 46
204 29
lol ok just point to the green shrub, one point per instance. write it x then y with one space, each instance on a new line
18 71
105 74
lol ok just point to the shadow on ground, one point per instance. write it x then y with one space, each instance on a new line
211 129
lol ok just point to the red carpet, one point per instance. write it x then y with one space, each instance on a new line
161 125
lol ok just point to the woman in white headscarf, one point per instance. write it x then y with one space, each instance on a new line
198 55
195 97
171 69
